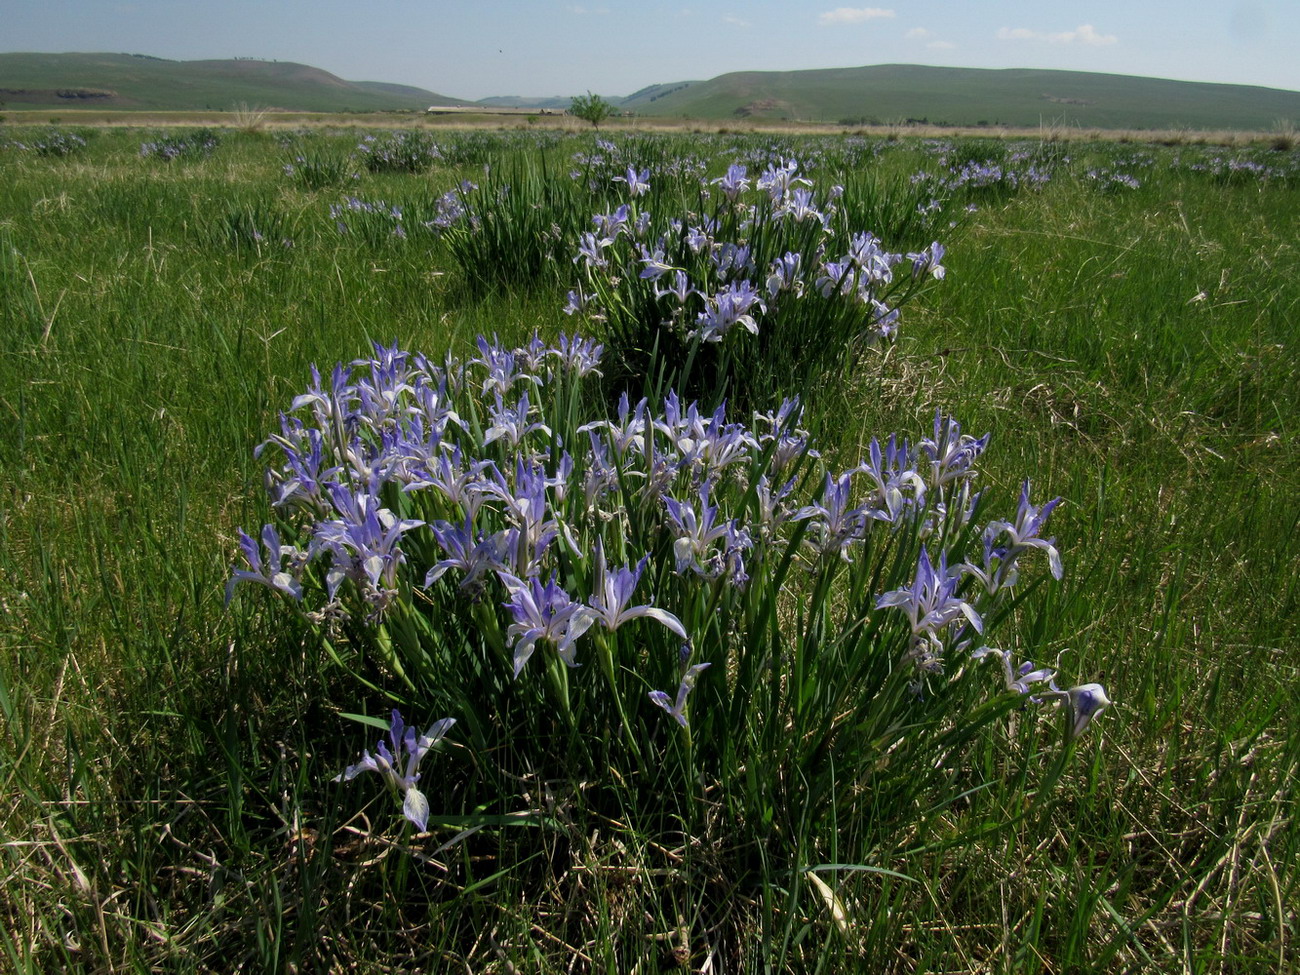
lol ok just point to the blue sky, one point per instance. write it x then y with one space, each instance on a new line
554 47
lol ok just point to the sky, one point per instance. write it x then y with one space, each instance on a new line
540 48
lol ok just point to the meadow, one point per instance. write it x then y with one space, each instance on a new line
827 778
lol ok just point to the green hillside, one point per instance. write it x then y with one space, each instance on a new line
971 96
136 81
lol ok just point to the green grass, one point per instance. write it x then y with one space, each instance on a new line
167 802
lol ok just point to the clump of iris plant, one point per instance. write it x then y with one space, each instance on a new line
409 151
761 285
486 535
195 145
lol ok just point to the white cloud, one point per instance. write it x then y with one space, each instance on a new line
852 15
736 21
1083 34
931 39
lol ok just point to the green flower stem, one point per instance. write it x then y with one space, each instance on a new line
557 674
606 657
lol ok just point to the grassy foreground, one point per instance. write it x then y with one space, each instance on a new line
168 803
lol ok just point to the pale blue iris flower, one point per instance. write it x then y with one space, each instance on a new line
398 765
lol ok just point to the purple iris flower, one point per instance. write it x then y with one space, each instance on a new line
734 182
305 476
326 405
731 259
779 181
614 591
1023 534
931 604
891 470
527 509
629 432
271 572
473 556
791 442
460 482
677 709
1018 679
364 542
837 525
836 276
544 613
1086 702
727 309
707 444
592 250
610 225
656 265
577 300
435 406
532 356
773 508
951 453
800 206
784 275
501 365
698 239
697 548
680 289
578 357
927 261
876 263
409 744
510 423
638 182
601 477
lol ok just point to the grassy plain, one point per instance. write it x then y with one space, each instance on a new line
167 804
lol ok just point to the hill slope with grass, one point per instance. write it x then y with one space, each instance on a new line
136 81
889 93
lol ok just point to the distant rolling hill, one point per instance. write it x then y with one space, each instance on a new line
135 81
880 94
891 93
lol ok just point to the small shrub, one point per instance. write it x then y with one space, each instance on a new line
591 108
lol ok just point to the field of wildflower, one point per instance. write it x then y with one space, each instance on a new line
527 551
